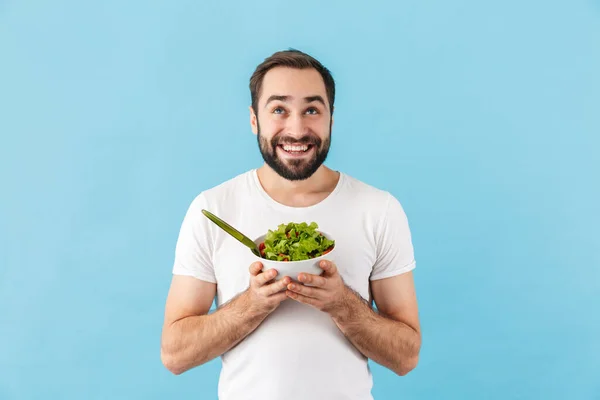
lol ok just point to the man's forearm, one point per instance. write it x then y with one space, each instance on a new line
388 342
195 340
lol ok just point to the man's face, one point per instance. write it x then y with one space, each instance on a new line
294 122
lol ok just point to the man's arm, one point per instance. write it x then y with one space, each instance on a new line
392 337
192 337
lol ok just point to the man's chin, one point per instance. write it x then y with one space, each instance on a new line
294 172
292 168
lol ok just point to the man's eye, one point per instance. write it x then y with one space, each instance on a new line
278 110
312 111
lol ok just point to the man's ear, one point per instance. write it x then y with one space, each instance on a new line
332 111
253 122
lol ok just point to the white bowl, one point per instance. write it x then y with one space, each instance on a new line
294 268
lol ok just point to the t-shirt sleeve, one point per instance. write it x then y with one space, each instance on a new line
395 254
194 246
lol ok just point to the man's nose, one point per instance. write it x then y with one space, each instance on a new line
296 126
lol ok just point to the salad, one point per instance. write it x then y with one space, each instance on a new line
295 242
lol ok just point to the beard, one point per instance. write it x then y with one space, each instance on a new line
294 169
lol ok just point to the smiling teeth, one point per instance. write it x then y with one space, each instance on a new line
295 148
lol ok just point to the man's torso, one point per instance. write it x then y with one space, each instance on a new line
297 352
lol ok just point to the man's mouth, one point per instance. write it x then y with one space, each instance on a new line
295 149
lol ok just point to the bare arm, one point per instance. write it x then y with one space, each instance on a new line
192 337
392 336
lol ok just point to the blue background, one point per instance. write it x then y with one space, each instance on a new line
482 118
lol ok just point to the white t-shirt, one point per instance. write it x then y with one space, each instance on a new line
297 353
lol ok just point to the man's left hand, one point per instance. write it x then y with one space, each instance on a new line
327 292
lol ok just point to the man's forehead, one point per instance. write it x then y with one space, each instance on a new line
293 82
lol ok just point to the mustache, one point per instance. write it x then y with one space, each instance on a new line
304 140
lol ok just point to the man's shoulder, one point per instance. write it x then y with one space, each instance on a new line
232 188
365 192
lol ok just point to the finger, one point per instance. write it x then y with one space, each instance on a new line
329 267
255 268
305 291
277 286
278 297
313 280
266 276
301 298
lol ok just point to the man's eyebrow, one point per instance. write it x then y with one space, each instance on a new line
277 97
308 99
318 98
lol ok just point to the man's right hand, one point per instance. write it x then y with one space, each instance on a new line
263 295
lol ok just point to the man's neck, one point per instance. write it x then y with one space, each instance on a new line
298 193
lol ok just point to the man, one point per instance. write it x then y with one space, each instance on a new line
281 339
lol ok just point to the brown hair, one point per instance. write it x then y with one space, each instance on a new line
293 59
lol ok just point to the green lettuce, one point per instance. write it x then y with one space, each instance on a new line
295 242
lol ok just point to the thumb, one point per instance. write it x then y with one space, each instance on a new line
328 267
255 268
